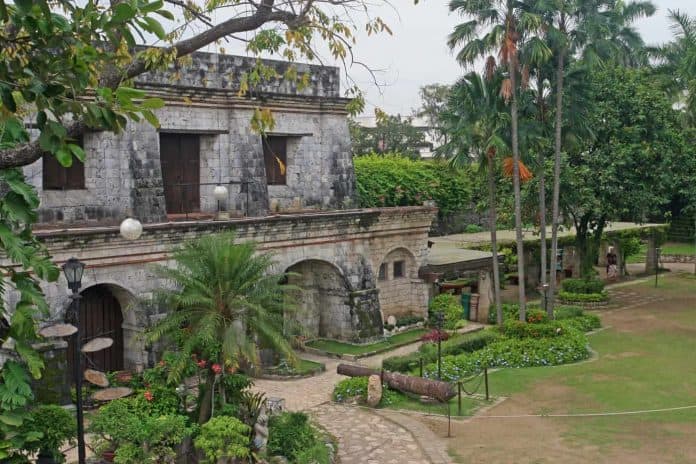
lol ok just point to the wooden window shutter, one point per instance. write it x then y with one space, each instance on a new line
275 158
57 177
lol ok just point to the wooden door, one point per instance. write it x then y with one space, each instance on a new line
181 167
100 316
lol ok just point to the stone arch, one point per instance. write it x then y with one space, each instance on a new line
324 304
125 324
396 273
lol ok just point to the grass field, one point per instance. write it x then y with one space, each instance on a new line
669 248
335 347
644 363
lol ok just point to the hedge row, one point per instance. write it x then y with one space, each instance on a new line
392 180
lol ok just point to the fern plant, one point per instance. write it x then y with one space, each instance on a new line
225 303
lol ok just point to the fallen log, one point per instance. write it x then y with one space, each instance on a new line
441 391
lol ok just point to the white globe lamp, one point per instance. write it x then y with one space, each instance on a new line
220 193
131 229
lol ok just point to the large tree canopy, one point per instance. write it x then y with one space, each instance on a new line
637 160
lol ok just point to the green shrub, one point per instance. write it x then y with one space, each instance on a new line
584 323
289 433
408 320
57 426
127 428
519 329
514 352
356 387
350 388
223 437
588 285
455 345
392 180
583 297
472 229
568 312
451 308
316 454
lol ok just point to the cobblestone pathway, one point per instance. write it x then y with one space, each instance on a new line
365 436
368 438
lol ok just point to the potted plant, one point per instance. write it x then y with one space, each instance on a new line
57 426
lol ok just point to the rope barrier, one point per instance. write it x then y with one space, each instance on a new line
589 414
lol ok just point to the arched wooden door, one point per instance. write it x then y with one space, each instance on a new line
100 316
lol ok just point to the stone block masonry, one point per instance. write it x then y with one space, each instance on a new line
123 172
336 253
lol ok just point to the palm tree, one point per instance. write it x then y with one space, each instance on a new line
477 121
499 26
677 62
598 31
224 304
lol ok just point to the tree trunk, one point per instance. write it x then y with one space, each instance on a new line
493 223
442 391
206 399
512 66
542 206
556 180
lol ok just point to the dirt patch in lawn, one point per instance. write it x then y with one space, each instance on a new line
579 440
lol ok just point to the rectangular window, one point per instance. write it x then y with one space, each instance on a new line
275 156
382 272
399 269
57 177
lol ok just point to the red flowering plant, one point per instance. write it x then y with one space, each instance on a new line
434 336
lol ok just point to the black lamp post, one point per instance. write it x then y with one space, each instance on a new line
73 270
439 319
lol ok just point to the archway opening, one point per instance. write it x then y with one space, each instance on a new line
323 305
395 277
101 315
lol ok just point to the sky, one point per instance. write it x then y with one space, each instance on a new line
417 53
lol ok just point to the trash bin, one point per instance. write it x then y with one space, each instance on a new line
466 305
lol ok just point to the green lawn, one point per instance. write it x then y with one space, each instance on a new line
669 248
336 347
412 403
645 362
674 248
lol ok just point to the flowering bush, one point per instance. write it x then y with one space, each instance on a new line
536 316
456 345
434 336
513 352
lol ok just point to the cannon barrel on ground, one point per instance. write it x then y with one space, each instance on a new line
441 391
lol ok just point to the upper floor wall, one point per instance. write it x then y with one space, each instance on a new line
225 72
205 139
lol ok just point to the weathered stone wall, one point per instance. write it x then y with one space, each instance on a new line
123 174
352 243
400 296
215 71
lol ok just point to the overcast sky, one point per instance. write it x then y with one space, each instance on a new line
417 53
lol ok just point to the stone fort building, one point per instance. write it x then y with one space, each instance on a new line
291 191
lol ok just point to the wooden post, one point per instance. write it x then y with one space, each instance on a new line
485 378
420 362
459 397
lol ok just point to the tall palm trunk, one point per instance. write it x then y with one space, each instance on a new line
556 178
206 398
493 222
542 199
516 187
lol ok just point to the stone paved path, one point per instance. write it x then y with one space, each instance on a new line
365 436
368 438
